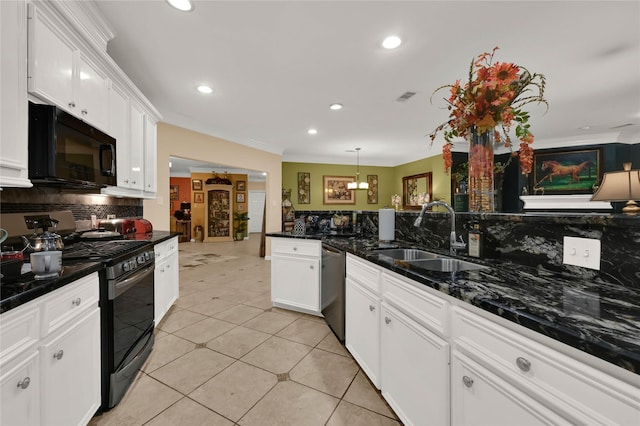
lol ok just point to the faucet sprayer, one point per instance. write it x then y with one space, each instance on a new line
454 244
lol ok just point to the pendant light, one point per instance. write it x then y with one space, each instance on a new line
357 184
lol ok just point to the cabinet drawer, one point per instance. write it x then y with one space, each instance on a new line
428 310
166 248
20 329
365 273
66 303
294 246
579 392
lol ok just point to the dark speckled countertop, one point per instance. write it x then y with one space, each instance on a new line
27 288
532 297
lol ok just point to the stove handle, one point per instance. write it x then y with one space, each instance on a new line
116 287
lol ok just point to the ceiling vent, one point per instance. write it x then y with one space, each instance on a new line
405 96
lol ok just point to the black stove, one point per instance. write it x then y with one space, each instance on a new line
110 250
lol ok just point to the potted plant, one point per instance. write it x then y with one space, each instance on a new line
241 219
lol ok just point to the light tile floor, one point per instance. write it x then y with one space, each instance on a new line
224 356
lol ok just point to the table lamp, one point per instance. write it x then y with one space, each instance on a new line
621 186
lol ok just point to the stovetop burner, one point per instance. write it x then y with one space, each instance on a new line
100 249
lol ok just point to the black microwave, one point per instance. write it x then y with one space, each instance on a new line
65 150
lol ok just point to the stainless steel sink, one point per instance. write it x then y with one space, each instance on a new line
444 264
407 254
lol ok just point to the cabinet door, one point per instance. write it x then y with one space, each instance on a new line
70 367
295 283
173 278
20 392
479 397
51 60
161 290
136 143
119 129
13 95
362 329
93 94
414 370
150 155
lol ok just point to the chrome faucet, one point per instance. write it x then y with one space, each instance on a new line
454 244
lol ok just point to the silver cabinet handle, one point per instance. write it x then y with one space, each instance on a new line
85 112
126 181
295 249
387 320
468 381
24 383
72 104
311 266
523 364
58 355
76 302
133 182
372 308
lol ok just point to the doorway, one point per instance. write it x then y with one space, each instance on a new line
256 210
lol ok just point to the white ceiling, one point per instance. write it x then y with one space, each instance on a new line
275 66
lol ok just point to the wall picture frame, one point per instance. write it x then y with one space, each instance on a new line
196 184
304 188
241 185
372 192
239 197
174 192
566 171
335 191
198 197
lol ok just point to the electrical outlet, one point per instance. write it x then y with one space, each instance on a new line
583 252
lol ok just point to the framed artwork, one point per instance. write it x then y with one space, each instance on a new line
372 192
240 207
304 188
173 192
335 190
196 184
239 198
566 172
241 185
198 197
416 190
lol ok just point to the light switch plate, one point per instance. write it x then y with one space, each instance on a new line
583 252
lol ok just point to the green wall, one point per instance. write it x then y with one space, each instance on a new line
389 182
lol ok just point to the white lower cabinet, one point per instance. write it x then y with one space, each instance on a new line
295 274
441 361
50 357
362 328
415 370
69 362
166 277
20 391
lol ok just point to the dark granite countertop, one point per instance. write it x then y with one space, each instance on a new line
27 288
535 298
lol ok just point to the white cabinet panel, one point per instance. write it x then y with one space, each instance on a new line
14 115
166 277
20 392
119 129
362 328
150 156
415 370
136 145
93 94
70 365
295 283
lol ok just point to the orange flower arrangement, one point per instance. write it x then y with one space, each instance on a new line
492 101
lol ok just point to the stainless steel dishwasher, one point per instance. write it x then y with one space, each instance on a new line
332 289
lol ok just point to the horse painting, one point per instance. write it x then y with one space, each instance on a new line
558 169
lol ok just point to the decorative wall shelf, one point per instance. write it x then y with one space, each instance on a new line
563 202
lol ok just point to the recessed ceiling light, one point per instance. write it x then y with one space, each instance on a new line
391 42
183 5
335 107
205 89
312 131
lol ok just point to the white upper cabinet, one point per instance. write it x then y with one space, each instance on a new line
61 74
136 148
150 156
119 129
14 160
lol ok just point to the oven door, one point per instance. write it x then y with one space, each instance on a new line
127 331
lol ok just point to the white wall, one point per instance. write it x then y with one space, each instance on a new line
180 142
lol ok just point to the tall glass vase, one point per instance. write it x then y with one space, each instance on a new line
481 191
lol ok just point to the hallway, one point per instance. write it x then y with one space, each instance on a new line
224 356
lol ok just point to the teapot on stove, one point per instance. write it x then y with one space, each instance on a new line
46 241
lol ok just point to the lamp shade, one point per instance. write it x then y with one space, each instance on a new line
619 186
